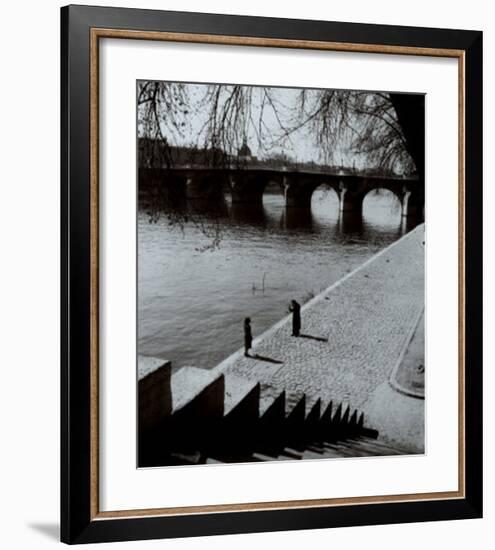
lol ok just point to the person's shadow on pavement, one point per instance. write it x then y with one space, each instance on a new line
319 338
266 359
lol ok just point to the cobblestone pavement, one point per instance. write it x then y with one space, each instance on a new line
352 334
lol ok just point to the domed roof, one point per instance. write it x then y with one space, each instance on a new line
244 151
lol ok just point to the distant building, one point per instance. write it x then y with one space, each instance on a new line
244 153
154 153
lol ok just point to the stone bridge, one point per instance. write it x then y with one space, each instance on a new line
246 185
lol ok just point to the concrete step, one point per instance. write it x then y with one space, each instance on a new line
294 428
292 453
262 457
154 392
342 450
282 456
310 455
372 451
295 408
332 453
337 414
272 409
268 395
359 448
197 409
353 421
346 415
325 422
235 434
368 432
312 422
191 458
197 391
151 365
241 398
380 446
210 460
268 433
327 414
314 448
327 453
229 459
352 453
314 414
295 402
363 444
373 441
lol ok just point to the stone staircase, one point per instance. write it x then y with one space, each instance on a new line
196 416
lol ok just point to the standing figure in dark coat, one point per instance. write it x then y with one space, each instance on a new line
248 337
295 308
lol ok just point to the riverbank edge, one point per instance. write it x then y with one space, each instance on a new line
396 385
226 363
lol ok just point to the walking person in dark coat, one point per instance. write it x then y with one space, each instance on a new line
248 337
295 308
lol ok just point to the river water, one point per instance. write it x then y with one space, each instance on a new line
194 293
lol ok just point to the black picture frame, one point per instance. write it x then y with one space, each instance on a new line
79 524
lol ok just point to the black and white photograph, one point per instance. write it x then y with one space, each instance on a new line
280 273
244 263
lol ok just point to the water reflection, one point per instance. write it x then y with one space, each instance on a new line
248 214
207 209
297 218
193 297
351 224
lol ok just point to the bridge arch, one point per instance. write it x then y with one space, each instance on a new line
248 187
206 186
299 190
384 190
325 199
410 199
382 200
